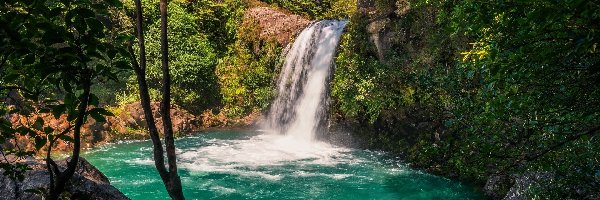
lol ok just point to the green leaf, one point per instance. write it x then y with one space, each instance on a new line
44 110
66 138
34 191
40 142
10 77
84 12
99 6
69 99
101 111
52 37
13 111
115 3
72 115
95 54
95 25
98 117
58 110
101 68
79 24
67 86
94 100
29 59
69 17
122 65
111 53
48 130
112 76
55 11
38 124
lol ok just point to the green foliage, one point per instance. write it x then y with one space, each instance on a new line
51 51
246 75
502 87
505 88
307 8
200 33
216 60
363 86
538 108
219 21
191 57
322 9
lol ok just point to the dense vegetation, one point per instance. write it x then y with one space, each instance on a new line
193 56
485 89
471 89
52 53
214 65
246 73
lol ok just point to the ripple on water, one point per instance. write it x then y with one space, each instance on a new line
250 166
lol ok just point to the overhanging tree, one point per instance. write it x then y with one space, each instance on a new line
52 52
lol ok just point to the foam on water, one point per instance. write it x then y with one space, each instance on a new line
247 157
294 118
286 161
230 165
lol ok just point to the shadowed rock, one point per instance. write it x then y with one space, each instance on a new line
87 183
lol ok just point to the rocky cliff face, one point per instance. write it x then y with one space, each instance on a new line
395 26
87 183
275 24
132 116
128 123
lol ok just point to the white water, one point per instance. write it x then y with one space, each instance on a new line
294 119
295 116
287 164
247 157
300 108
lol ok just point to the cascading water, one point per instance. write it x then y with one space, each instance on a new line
300 108
291 165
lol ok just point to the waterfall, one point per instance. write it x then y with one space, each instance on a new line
300 109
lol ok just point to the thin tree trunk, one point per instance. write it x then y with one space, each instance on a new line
63 177
140 71
175 190
169 177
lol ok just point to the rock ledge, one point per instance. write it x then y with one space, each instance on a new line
87 183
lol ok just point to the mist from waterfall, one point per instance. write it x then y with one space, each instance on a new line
300 109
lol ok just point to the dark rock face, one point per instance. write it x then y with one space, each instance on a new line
87 183
496 187
515 187
522 184
381 20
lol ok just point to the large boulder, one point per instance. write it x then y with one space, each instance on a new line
87 183
522 184
275 24
394 27
516 186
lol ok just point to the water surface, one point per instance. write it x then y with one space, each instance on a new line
238 165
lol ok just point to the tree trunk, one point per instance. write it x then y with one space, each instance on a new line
174 188
169 177
62 178
140 71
